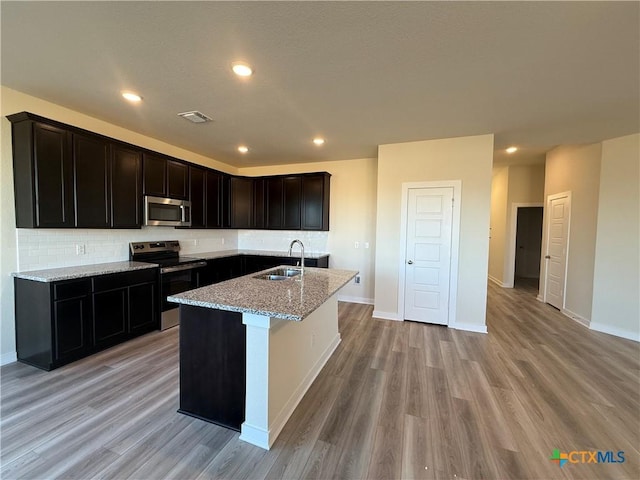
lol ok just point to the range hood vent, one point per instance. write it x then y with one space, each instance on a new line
195 117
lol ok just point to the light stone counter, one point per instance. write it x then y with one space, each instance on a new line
80 271
266 253
291 299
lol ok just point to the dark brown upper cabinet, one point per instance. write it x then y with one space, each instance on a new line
42 173
241 205
91 182
164 177
214 199
315 201
65 176
126 187
205 192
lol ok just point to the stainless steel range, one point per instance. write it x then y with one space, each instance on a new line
177 274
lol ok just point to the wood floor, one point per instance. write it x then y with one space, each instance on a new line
396 400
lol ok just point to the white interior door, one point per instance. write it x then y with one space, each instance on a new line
428 254
559 208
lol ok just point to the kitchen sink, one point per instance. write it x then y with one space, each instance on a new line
279 274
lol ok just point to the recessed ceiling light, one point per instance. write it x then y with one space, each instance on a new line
512 149
132 97
243 149
242 69
318 141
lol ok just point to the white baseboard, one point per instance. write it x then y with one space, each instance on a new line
254 435
539 298
8 358
469 327
618 332
574 316
350 299
498 282
387 315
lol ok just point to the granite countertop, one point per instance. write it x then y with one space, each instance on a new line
290 299
80 271
266 253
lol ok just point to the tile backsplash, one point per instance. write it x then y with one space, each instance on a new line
279 240
51 248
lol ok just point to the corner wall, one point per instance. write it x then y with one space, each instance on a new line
616 282
575 169
498 231
468 159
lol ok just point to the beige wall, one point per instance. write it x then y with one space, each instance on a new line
498 239
576 169
12 101
352 218
468 159
616 283
510 184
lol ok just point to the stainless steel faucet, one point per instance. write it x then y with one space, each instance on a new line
301 254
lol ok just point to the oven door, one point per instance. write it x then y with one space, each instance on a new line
177 279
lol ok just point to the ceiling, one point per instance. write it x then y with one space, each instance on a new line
360 74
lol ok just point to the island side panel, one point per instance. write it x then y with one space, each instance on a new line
212 365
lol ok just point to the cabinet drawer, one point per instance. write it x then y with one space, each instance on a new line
125 279
71 289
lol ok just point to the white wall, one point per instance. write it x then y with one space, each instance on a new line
575 169
352 218
498 240
468 159
616 283
27 249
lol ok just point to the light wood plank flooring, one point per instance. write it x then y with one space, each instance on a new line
396 400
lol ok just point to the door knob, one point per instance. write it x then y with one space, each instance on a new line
547 257
410 262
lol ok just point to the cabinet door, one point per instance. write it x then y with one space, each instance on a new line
91 182
53 176
214 203
126 187
155 175
109 317
291 201
177 175
241 202
197 197
315 202
259 203
72 323
142 311
274 200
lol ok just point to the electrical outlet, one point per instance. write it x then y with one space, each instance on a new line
313 340
80 249
222 241
356 245
195 242
356 280
366 244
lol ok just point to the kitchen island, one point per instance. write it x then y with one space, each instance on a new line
251 347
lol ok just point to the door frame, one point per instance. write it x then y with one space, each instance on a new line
510 273
455 242
544 260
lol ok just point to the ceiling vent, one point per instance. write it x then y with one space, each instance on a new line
195 117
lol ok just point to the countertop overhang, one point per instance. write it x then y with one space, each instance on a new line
290 299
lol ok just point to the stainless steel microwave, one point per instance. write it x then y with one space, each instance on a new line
168 212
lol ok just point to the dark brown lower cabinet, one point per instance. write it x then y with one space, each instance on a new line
59 322
212 365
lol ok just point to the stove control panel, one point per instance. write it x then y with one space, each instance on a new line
137 248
